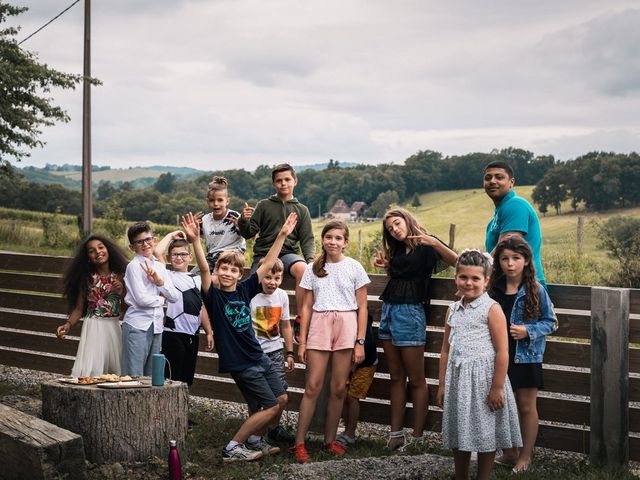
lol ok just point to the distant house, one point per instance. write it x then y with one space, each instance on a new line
341 211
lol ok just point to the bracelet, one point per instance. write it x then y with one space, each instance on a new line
290 354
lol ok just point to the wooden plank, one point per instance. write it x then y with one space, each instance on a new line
39 303
35 323
30 282
26 262
33 448
39 343
34 361
574 297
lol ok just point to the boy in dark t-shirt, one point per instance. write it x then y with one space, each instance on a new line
238 349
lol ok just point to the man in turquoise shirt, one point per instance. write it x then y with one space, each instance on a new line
513 214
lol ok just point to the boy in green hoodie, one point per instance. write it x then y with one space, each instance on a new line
267 218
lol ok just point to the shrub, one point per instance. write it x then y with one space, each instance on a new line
620 237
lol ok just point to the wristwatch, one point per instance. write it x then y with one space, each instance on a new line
360 341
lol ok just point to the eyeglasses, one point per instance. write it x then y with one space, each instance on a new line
179 255
142 241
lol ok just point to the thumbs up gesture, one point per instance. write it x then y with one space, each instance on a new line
247 211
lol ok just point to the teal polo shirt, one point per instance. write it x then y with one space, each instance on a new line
515 214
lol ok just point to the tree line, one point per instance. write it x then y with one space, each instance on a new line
597 180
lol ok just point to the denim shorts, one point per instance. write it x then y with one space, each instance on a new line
404 324
260 384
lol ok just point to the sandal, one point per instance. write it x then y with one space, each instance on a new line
396 440
504 461
521 469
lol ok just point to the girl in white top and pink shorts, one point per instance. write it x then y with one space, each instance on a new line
333 323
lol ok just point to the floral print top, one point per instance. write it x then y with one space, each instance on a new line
103 299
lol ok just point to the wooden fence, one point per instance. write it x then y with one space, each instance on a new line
31 308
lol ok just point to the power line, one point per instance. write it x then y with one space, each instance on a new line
50 21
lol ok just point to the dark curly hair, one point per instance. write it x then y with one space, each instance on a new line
79 270
517 244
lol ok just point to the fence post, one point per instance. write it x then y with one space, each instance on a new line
452 235
609 376
580 235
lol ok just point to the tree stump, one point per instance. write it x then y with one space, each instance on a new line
32 448
120 424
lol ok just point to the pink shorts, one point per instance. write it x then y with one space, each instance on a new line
332 330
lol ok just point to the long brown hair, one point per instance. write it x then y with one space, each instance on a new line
321 260
389 244
517 244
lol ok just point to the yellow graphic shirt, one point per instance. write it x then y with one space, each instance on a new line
267 311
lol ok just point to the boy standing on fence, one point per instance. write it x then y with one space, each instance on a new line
148 285
238 350
267 219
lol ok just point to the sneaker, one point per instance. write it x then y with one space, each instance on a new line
300 452
281 435
345 440
335 448
263 446
240 453
296 329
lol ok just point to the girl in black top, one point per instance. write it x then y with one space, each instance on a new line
410 255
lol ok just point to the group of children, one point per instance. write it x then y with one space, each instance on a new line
495 330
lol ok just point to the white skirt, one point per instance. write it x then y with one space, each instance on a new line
100 347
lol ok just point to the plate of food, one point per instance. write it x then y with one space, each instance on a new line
113 378
80 380
126 384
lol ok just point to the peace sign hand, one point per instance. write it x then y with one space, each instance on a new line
152 275
379 261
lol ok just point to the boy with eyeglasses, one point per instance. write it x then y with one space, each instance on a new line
148 285
183 318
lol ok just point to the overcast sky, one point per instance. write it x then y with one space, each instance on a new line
216 84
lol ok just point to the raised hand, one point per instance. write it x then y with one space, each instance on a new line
152 275
289 224
247 211
191 227
379 260
423 239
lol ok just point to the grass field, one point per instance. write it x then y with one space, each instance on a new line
469 210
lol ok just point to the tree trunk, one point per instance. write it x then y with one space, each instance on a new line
120 424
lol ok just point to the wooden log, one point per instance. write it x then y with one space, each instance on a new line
120 424
35 449
609 376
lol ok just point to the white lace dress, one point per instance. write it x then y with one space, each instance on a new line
467 422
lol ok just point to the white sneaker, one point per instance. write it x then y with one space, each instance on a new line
240 453
263 446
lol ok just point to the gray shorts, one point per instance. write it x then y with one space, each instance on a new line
288 259
277 358
260 385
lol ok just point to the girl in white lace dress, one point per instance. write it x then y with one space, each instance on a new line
479 409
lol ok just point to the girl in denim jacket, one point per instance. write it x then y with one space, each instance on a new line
530 318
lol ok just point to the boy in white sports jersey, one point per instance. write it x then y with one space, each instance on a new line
182 320
219 227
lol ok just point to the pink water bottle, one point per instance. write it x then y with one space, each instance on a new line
175 469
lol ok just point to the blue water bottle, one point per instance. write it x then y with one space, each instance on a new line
157 369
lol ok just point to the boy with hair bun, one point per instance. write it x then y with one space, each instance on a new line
219 227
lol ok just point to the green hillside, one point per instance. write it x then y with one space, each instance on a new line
470 210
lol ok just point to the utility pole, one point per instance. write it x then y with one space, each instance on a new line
87 207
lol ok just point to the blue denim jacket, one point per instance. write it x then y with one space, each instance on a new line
531 349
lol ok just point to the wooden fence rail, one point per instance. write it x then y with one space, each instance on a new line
31 308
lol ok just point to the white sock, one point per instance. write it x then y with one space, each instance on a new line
253 439
231 445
